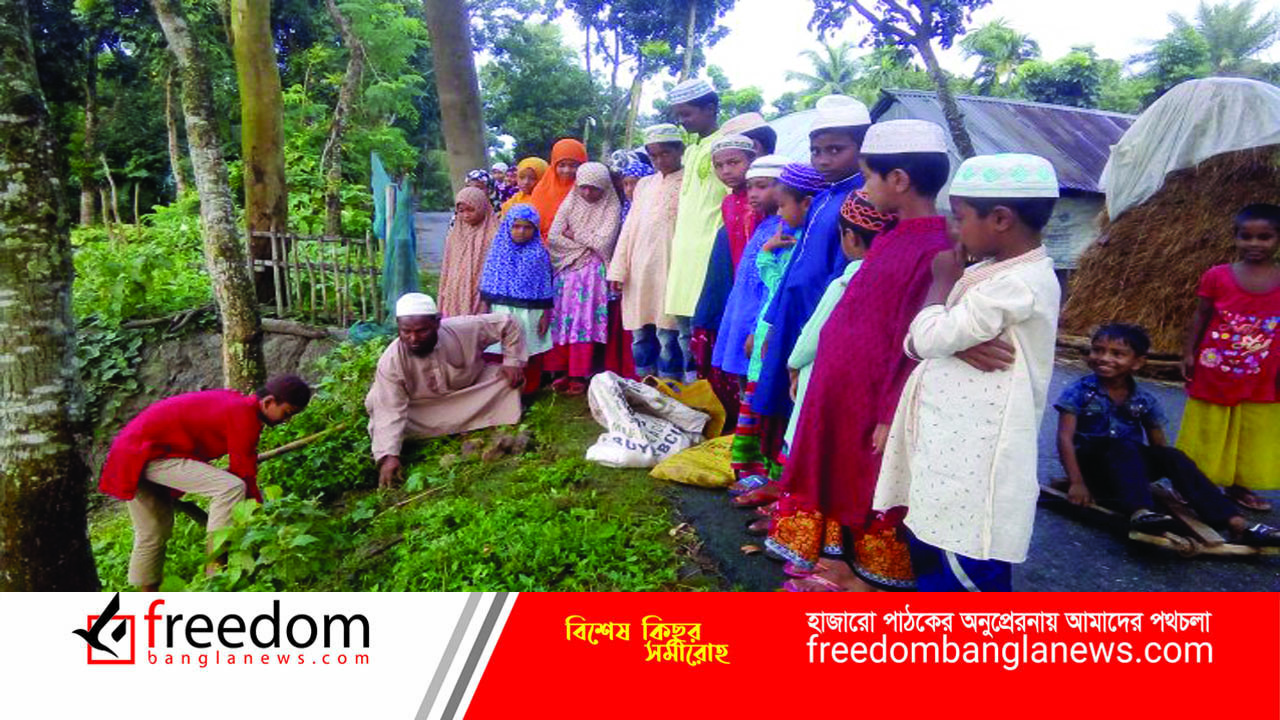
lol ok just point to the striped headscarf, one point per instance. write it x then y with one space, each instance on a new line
518 274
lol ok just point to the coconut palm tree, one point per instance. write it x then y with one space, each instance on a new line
834 72
1233 34
1001 50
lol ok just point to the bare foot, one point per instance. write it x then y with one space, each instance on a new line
839 572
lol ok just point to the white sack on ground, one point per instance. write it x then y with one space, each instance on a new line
643 426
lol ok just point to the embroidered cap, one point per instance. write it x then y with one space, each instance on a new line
859 211
734 142
689 90
768 166
839 111
896 137
663 133
411 304
1005 175
744 123
803 177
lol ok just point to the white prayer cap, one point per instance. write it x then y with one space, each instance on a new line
500 167
733 142
894 137
663 133
689 90
839 111
411 304
1006 175
768 166
744 123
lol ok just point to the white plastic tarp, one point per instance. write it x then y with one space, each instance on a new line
1188 125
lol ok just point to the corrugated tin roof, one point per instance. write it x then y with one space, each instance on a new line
1077 141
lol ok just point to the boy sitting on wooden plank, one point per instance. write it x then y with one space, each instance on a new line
1102 421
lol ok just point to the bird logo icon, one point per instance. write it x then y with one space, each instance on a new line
92 636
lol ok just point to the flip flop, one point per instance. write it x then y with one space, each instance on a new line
747 484
760 496
1248 500
759 526
795 571
813 583
1261 535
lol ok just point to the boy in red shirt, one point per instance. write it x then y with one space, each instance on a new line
168 448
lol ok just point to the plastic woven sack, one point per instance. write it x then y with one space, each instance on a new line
643 426
706 465
698 395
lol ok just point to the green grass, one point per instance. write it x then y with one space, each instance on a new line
545 520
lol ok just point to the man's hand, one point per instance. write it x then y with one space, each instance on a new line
513 375
795 382
879 439
389 472
990 356
544 323
1078 494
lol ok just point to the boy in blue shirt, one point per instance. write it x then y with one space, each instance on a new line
1112 444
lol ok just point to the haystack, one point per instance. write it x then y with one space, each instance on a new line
1147 265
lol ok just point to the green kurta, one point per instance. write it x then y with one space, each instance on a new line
697 222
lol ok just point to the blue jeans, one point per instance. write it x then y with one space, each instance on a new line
656 352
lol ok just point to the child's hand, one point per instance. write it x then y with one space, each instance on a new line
879 439
749 345
777 242
568 232
615 287
1188 367
948 266
544 323
795 382
1078 494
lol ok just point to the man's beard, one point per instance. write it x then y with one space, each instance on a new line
424 349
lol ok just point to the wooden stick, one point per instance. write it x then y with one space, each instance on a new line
1203 532
301 442
276 276
375 287
311 275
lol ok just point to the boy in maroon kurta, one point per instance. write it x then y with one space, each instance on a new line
860 367
166 451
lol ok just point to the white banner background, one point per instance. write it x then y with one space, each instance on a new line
46 674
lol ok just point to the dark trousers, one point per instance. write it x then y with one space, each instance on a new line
1122 471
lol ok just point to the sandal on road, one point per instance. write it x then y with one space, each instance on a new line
747 484
1260 535
813 583
760 496
1152 523
759 526
1247 499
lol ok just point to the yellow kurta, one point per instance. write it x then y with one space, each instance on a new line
697 222
452 390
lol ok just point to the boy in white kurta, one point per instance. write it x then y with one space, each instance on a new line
961 454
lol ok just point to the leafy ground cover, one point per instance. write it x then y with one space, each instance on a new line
543 520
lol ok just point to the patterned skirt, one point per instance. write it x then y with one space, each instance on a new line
581 313
752 452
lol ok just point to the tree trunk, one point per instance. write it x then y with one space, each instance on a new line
243 367
88 188
950 110
331 157
690 38
266 206
586 49
457 87
175 151
44 539
633 110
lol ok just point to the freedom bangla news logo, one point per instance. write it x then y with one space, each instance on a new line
203 639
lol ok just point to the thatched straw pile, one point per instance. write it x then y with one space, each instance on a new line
1148 265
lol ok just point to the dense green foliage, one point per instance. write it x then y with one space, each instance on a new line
544 520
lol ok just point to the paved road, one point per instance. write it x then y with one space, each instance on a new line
429 229
1066 554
